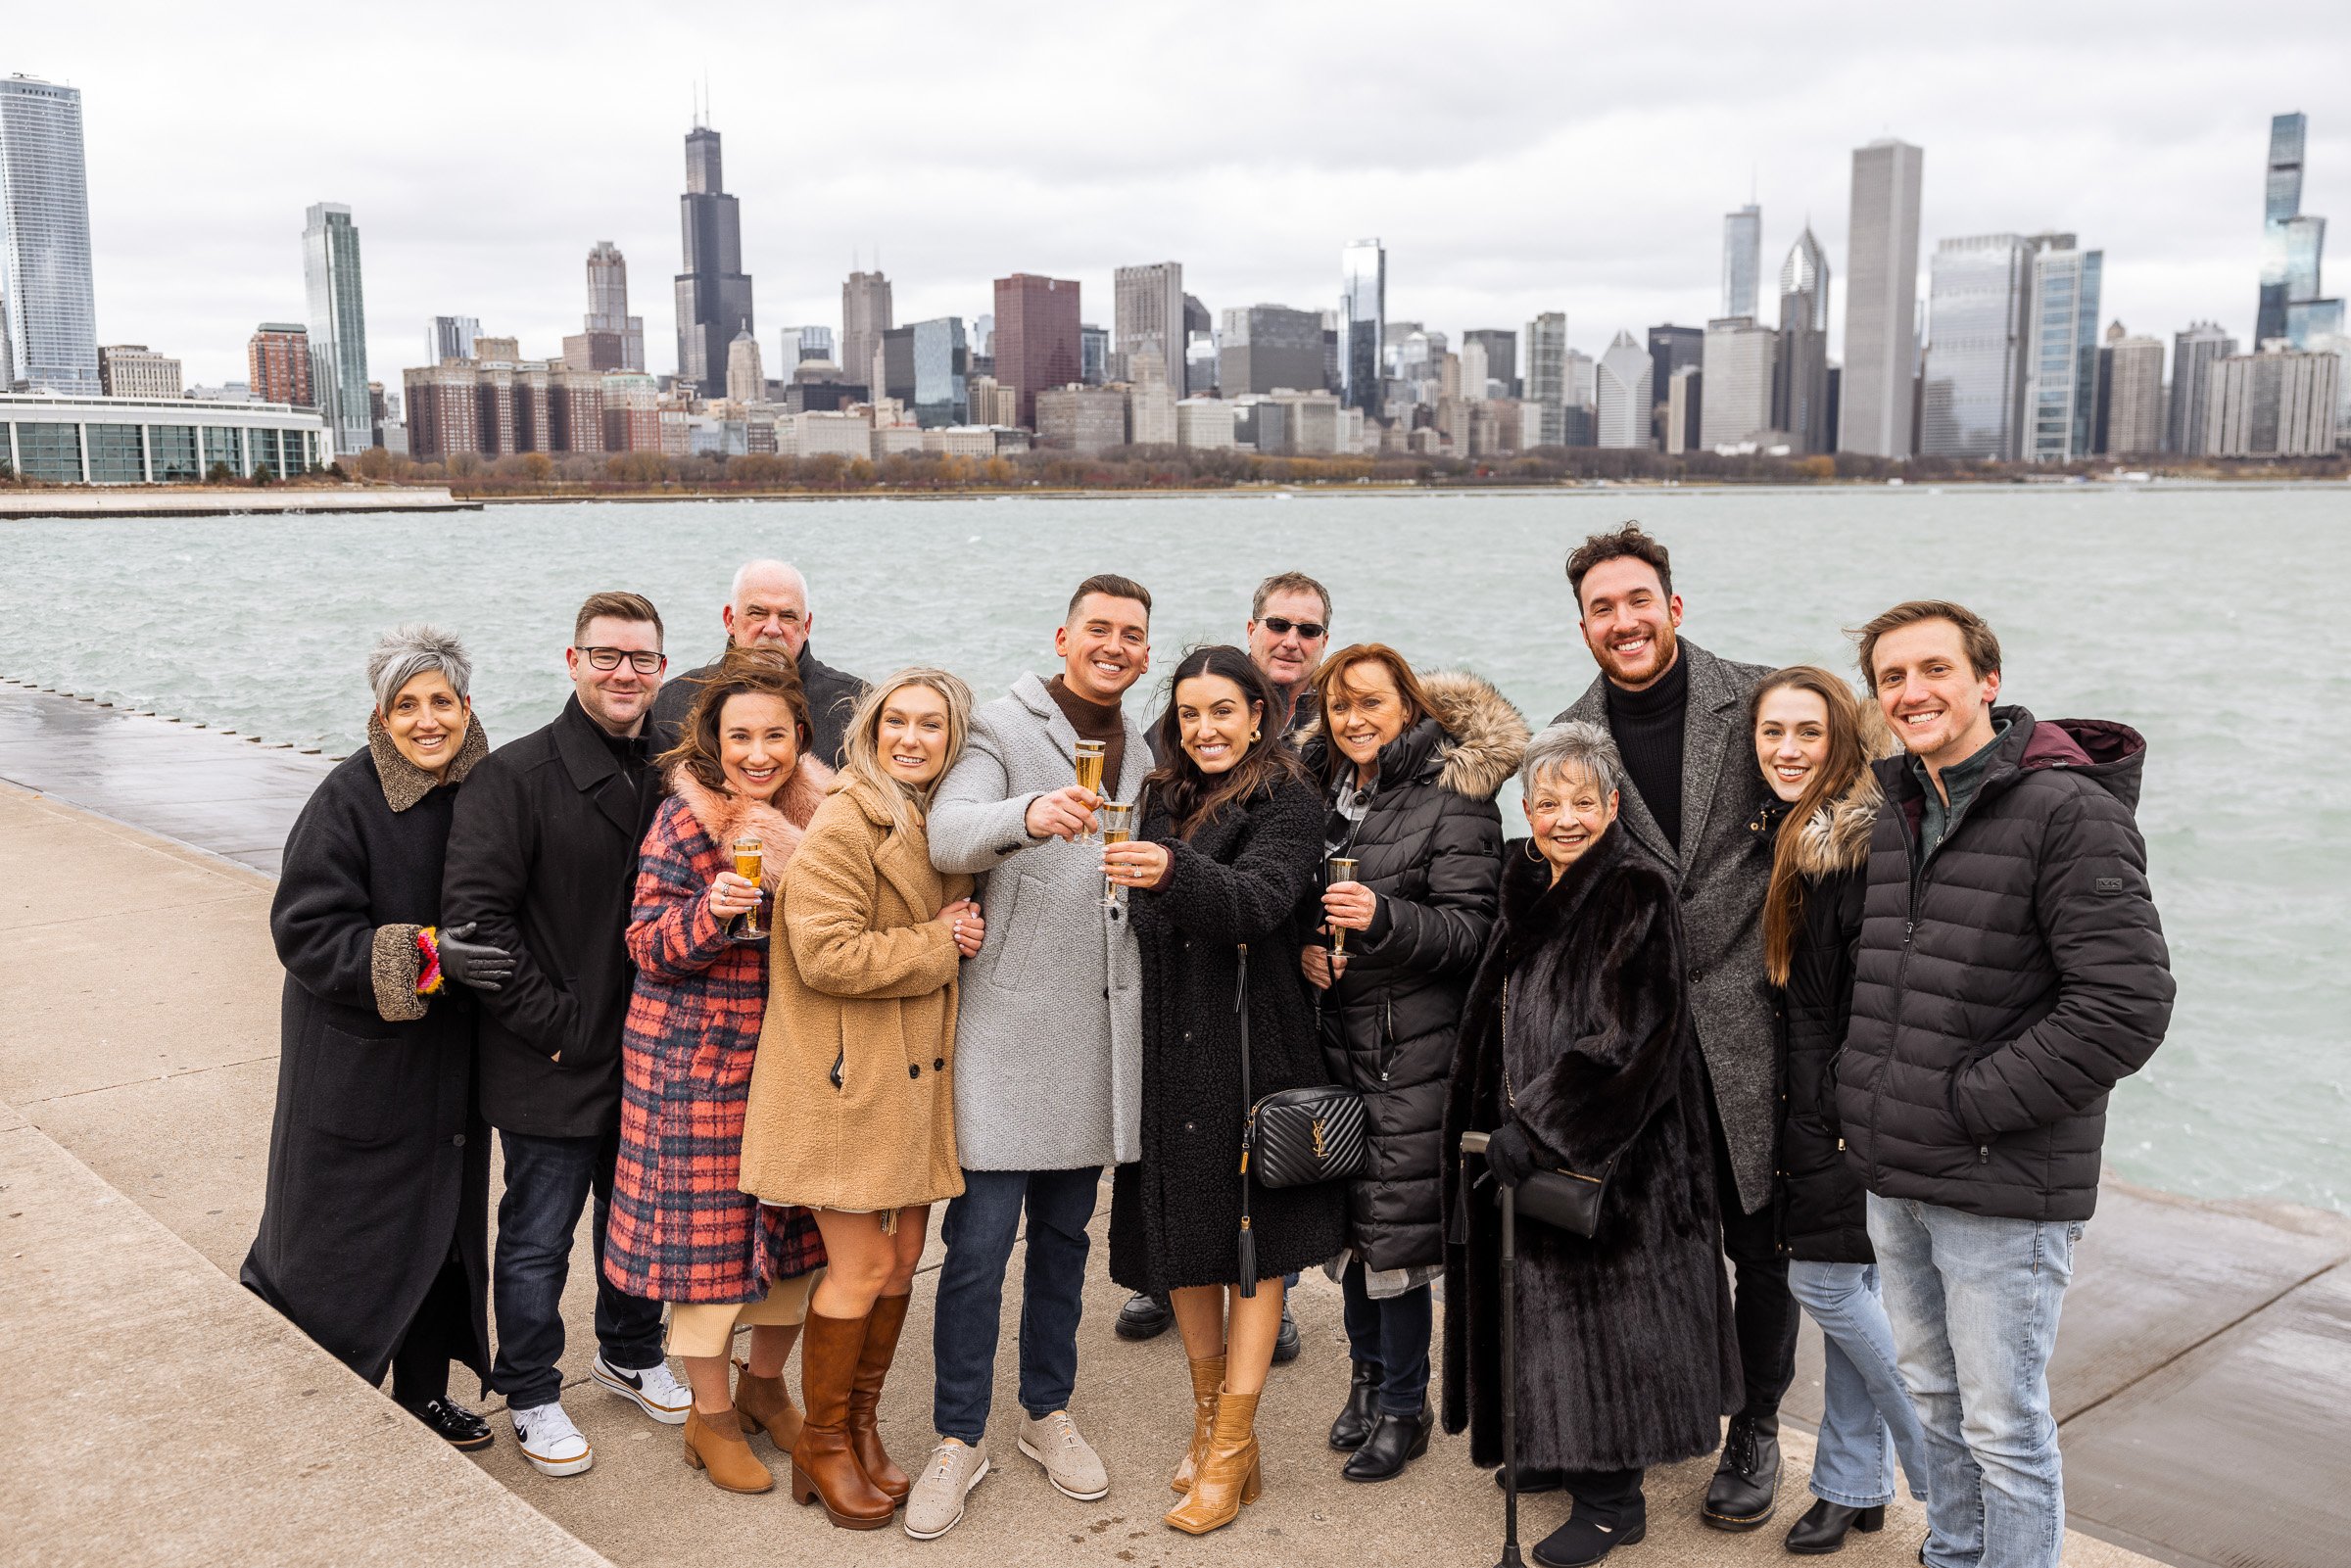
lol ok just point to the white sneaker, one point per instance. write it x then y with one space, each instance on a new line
550 1441
1070 1462
655 1390
936 1505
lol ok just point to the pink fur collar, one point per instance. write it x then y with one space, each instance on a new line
778 827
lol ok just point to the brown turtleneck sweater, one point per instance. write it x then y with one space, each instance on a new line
1094 721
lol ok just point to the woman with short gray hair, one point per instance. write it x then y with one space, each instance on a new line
374 1221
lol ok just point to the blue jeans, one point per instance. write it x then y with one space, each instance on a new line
1865 1417
979 1230
1391 1335
1974 1305
548 1180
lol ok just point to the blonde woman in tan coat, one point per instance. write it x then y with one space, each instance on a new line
852 1103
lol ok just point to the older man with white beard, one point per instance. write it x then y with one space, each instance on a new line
768 607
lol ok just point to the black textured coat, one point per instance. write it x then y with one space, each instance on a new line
833 697
1431 846
542 858
1822 1206
379 1164
1175 1214
1626 1352
2003 987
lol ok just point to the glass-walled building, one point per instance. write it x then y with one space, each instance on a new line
156 441
1972 398
330 256
1363 322
48 321
2061 395
943 364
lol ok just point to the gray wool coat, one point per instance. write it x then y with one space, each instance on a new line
1048 1038
1722 872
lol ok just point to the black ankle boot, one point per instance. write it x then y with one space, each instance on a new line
1822 1528
1591 1534
1143 1318
1396 1440
1746 1484
1354 1424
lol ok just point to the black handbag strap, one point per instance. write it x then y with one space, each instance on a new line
1240 1005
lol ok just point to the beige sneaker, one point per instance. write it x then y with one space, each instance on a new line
936 1505
1070 1462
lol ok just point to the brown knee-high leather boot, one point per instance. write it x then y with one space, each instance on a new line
1228 1476
865 1397
824 1467
766 1402
1207 1378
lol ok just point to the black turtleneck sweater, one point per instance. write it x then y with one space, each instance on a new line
1648 727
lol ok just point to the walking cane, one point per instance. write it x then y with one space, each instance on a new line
1474 1143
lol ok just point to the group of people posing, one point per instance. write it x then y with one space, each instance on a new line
766 961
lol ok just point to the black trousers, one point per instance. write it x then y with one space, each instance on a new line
1762 1311
1608 1494
436 1336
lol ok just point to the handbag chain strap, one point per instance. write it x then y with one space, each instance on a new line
1241 1005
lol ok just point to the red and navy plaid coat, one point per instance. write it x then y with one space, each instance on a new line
681 1228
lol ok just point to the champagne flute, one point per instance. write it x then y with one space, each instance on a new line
1118 827
1342 869
748 853
1090 778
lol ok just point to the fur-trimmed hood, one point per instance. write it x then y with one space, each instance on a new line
1481 736
778 825
1837 838
405 783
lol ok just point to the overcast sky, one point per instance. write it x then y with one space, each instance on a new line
1514 157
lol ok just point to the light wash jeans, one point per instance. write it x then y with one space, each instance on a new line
1865 1413
1974 1305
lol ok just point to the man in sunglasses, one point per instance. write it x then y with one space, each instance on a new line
543 860
1289 630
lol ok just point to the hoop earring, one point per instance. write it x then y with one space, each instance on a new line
1532 854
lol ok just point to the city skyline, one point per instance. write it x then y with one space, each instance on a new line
1627 233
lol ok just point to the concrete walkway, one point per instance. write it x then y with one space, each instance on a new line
2203 1369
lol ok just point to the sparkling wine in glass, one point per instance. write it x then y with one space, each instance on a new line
1118 827
748 857
1090 778
1342 869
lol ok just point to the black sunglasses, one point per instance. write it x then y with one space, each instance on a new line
1281 627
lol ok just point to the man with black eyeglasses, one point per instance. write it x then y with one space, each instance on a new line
1289 628
543 863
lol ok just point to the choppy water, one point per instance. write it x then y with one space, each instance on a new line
2213 620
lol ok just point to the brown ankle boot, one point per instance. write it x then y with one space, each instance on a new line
1228 1473
1207 1378
714 1444
824 1467
865 1397
765 1403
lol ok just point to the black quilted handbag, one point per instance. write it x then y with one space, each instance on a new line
1294 1137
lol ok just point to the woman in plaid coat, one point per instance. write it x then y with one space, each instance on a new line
682 1230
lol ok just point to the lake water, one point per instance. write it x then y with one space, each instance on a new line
2211 619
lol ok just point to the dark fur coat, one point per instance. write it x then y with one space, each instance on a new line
1626 1353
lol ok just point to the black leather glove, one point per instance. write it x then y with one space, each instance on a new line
476 965
1510 1154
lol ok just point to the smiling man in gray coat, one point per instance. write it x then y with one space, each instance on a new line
1048 1043
1679 718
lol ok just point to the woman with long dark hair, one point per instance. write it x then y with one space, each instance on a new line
1814 744
1228 845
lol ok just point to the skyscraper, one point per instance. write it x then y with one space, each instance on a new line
48 317
331 265
1978 297
451 337
1270 348
2289 246
1880 300
943 365
2061 361
277 364
1148 312
1622 395
1673 349
746 373
1362 323
610 337
1501 357
1742 259
713 293
2194 354
1093 355
1547 375
1737 407
865 314
2132 393
1036 338
1800 396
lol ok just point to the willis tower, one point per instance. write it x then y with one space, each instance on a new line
715 293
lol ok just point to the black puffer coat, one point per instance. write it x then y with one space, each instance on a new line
1823 1209
1431 846
1175 1214
2006 987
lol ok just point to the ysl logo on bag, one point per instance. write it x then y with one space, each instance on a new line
1320 1152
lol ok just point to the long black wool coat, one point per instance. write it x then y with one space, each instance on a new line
1175 1214
379 1163
1431 846
1626 1352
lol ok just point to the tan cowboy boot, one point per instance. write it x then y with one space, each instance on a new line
1207 1378
1228 1475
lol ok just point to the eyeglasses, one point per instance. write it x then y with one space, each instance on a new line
1282 627
641 662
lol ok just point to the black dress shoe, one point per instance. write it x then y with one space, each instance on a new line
1143 1318
1822 1528
1589 1535
1354 1424
453 1424
1746 1484
1285 1343
1534 1478
1396 1440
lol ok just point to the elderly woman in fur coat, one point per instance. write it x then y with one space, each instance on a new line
682 1229
1577 1054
